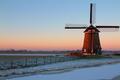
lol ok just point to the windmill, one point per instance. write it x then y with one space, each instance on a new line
91 45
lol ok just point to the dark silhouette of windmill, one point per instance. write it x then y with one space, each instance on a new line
91 45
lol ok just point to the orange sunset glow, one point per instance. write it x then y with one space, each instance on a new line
66 42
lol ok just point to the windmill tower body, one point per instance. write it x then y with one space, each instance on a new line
91 45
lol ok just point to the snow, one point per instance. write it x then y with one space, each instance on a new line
93 73
72 70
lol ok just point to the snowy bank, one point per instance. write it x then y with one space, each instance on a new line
62 68
106 72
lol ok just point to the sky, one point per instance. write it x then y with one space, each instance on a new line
39 24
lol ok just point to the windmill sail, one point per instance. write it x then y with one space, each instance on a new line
92 13
108 28
75 26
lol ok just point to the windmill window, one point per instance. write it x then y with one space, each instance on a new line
93 30
84 50
89 30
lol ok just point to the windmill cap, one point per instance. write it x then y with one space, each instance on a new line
91 27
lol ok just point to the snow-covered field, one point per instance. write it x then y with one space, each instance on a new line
105 72
85 69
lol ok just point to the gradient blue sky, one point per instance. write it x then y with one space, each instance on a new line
39 24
